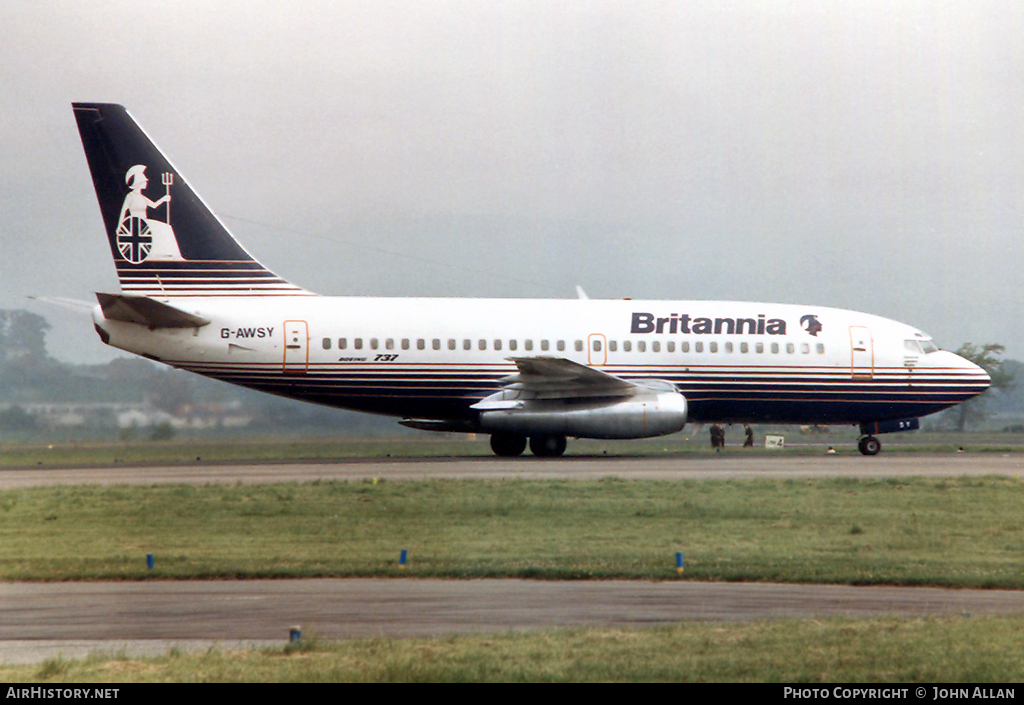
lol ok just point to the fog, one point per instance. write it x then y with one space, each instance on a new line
864 155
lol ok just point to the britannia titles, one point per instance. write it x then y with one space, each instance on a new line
683 323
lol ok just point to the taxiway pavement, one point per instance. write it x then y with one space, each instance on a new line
735 465
70 619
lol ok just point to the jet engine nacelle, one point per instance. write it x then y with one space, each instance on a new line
641 416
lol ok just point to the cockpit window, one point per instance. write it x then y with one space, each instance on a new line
927 344
912 346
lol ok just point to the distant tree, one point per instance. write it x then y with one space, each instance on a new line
22 333
987 357
163 431
169 390
16 419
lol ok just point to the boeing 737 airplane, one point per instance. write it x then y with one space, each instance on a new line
522 370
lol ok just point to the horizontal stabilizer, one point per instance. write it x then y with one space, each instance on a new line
147 312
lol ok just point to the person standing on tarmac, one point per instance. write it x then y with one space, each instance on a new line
749 442
717 436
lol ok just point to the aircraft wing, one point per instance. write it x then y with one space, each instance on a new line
556 378
147 312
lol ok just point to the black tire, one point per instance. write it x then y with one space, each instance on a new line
547 446
869 445
508 445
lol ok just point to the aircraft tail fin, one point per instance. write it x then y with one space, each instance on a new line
164 239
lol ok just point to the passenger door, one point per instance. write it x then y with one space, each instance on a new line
862 353
296 346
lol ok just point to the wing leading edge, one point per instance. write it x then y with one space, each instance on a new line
556 378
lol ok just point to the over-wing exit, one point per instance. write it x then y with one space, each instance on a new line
526 371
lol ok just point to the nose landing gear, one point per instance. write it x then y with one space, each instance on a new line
869 445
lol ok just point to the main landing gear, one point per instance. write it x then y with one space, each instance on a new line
869 445
509 445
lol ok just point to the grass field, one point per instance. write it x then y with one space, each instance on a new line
885 650
962 532
965 532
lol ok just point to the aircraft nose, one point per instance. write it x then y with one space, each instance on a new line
979 378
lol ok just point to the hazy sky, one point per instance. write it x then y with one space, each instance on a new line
865 155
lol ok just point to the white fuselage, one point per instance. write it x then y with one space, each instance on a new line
425 358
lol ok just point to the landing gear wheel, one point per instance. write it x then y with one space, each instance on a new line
869 445
547 446
508 445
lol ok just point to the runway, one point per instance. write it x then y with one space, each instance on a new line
738 466
42 620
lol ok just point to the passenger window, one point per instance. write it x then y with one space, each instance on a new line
790 348
597 344
512 345
698 347
560 345
467 345
684 346
405 343
543 345
327 343
627 346
482 344
759 347
728 347
805 348
612 346
671 346
451 343
656 346
821 348
389 344
436 343
713 347
775 347
497 344
374 343
357 343
641 346
421 344
528 345
342 343
744 348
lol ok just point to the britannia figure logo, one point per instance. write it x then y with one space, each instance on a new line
811 324
139 237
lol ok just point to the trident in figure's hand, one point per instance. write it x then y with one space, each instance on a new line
167 178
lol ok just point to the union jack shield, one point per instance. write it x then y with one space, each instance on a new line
134 240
